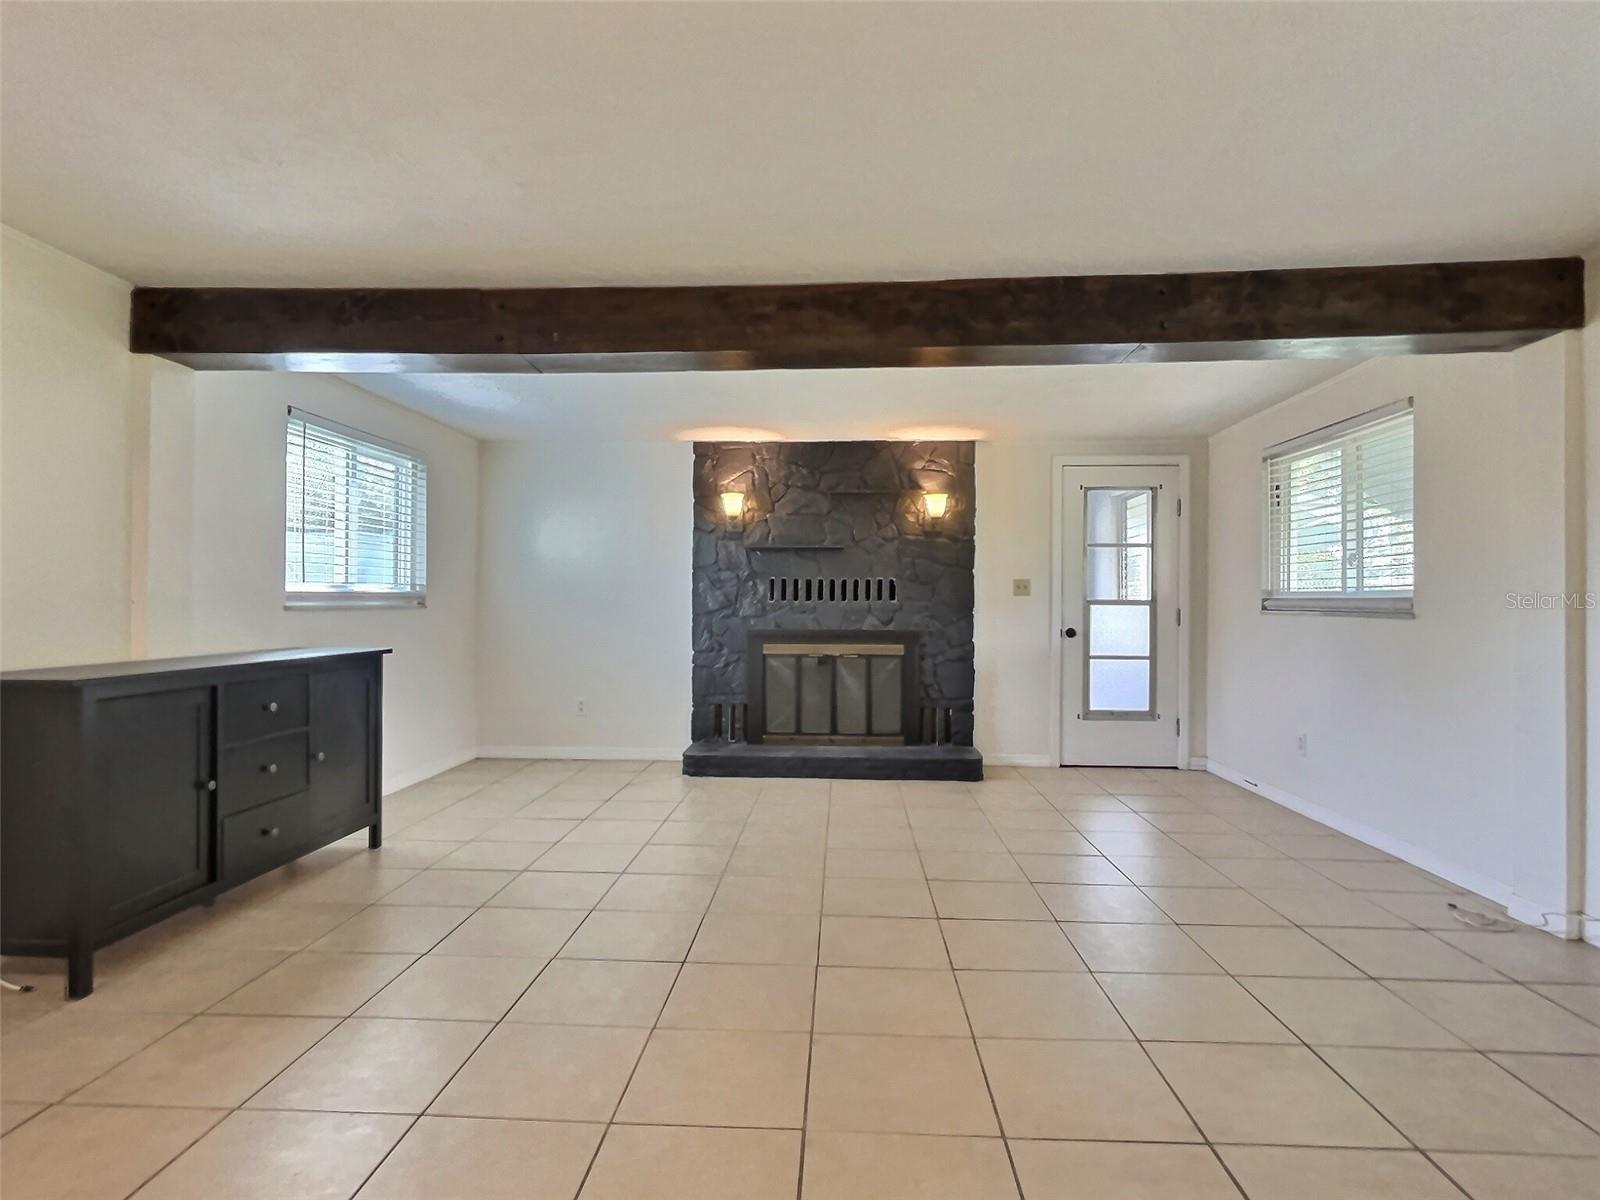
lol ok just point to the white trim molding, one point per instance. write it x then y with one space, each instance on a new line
593 753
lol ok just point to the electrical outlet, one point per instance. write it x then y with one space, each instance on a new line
1300 745
581 710
1022 587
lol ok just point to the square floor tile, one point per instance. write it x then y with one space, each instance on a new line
593 856
443 1158
695 1164
312 984
393 929
544 1072
1299 1173
873 864
180 981
1349 1012
883 942
899 1166
1572 1081
1244 950
75 1152
877 898
445 888
62 1051
681 860
1174 872
1119 1171
1176 1008
14 1112
634 936
724 996
874 1084
1039 1004
884 1000
210 1062
1402 954
1530 955
719 1077
1082 1090
1330 907
769 894
1501 1016
1009 946
1578 998
1140 948
449 987
1107 904
1501 1177
1069 868
1378 876
596 992
970 865
512 933
554 889
270 1155
660 893
756 938
1280 1094
493 856
368 1065
775 860
1213 906
988 901
1451 1100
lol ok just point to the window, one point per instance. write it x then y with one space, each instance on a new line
356 517
1339 518
1120 609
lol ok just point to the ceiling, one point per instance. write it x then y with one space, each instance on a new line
1127 400
553 144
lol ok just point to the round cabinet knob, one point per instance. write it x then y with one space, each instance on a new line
270 832
271 706
322 756
271 768
211 785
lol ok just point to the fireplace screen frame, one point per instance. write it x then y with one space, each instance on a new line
832 644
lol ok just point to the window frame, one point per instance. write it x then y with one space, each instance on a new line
1387 602
317 595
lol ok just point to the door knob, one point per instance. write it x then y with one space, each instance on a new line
1069 632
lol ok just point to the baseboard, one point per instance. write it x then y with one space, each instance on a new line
605 753
1518 907
1199 764
395 781
1018 760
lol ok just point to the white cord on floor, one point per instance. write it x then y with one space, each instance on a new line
15 987
1490 923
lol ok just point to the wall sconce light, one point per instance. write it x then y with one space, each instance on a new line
935 503
733 505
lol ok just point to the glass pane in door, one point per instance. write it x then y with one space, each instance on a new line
1119 606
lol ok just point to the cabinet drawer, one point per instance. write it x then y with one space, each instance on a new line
260 771
256 708
265 837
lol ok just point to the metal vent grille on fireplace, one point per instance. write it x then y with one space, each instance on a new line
811 589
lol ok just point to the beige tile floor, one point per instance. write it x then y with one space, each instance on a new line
603 980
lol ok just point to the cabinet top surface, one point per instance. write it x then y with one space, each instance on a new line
97 672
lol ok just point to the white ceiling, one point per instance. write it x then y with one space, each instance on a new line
456 143
1131 400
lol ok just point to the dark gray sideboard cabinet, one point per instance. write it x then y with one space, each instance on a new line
131 790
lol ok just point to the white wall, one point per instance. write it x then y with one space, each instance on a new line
66 378
1441 739
236 601
1591 425
584 595
1016 638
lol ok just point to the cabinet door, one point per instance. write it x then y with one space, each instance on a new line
155 816
342 711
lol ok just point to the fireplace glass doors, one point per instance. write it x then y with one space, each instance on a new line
834 691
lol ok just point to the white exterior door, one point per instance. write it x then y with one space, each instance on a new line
1119 616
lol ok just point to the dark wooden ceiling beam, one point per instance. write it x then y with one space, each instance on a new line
1319 312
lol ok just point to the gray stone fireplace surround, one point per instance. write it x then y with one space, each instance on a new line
834 537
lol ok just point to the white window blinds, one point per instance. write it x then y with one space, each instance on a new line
356 516
1339 524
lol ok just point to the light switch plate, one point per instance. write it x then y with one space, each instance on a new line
1022 587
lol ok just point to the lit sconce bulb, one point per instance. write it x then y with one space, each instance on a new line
732 504
935 503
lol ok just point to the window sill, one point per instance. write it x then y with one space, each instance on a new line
1328 607
352 600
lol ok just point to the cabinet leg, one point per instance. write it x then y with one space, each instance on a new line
80 971
375 836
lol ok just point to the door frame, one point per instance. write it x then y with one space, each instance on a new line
1058 559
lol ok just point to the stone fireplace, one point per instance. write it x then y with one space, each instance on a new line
833 610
